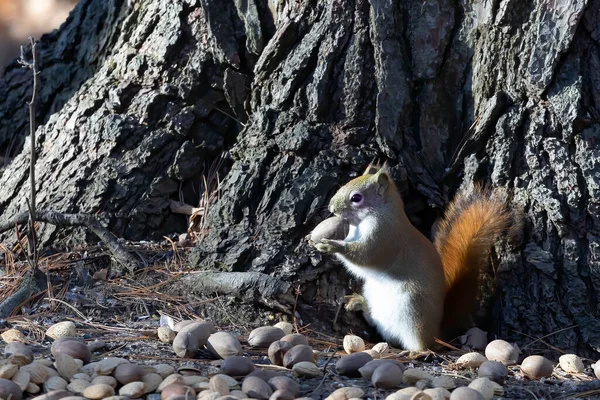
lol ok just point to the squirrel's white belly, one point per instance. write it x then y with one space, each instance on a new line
391 309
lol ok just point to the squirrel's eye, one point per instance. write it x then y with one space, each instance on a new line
356 198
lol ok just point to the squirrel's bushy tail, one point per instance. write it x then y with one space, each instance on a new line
471 225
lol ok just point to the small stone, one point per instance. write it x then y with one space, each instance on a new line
408 393
285 383
571 364
32 388
295 339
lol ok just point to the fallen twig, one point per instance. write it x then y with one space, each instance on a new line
121 255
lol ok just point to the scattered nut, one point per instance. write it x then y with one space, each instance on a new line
223 345
66 365
256 388
264 336
471 360
346 393
502 351
151 382
465 393
237 366
330 228
133 390
297 354
366 371
18 353
536 367
74 348
285 383
13 335
277 350
191 338
381 347
98 391
166 334
295 339
62 329
443 381
493 370
308 369
484 386
127 373
22 379
476 339
413 375
596 368
10 390
350 364
37 372
437 393
353 344
387 376
570 363
286 327
8 370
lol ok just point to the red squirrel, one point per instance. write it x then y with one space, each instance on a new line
413 288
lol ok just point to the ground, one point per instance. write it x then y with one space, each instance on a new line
125 313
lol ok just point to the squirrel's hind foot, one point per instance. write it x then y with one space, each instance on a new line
355 303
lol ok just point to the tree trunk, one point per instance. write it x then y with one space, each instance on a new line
139 98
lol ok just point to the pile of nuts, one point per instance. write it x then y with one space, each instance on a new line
72 375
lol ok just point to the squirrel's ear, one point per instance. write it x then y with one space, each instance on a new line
383 181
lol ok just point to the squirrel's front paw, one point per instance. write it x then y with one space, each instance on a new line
355 303
330 246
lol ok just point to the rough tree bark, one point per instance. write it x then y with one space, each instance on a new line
138 97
